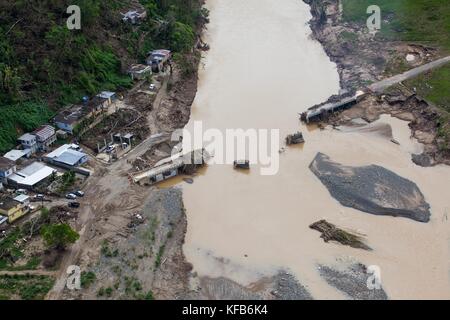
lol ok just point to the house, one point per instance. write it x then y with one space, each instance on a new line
45 137
68 119
107 98
3 221
29 141
66 156
16 155
31 176
134 17
12 209
23 199
7 168
158 59
139 71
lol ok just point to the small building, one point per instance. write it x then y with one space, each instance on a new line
61 134
158 59
7 168
139 71
68 119
45 137
107 98
23 199
29 141
134 16
31 176
66 156
3 221
16 155
12 209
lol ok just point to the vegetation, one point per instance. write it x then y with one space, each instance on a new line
87 278
44 65
434 86
58 236
107 251
423 21
25 287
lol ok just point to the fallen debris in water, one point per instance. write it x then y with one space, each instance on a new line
332 233
295 138
242 164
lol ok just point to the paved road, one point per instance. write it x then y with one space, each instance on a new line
386 83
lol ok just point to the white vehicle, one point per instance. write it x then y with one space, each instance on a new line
21 191
110 149
71 196
79 193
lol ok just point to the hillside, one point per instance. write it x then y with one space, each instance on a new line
44 65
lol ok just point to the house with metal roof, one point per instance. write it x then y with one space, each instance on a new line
66 156
139 71
16 155
31 176
45 137
29 141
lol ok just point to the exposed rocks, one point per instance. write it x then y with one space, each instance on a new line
332 233
353 281
372 189
282 286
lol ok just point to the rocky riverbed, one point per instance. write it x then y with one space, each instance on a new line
372 189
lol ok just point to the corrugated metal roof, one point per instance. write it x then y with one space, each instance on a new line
32 174
106 94
22 198
26 137
15 155
44 132
70 157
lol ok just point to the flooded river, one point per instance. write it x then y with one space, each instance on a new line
262 70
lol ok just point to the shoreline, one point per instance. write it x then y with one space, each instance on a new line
362 60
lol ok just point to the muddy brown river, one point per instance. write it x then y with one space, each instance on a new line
262 70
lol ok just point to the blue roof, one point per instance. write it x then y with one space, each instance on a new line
70 157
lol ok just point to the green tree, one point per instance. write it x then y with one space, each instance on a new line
58 236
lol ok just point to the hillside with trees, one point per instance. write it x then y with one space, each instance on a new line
44 65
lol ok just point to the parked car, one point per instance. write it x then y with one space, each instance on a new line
110 149
79 193
39 197
71 196
21 191
74 204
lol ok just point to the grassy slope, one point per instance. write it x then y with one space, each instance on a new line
44 66
421 21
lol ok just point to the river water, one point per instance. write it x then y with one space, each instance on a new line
262 70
